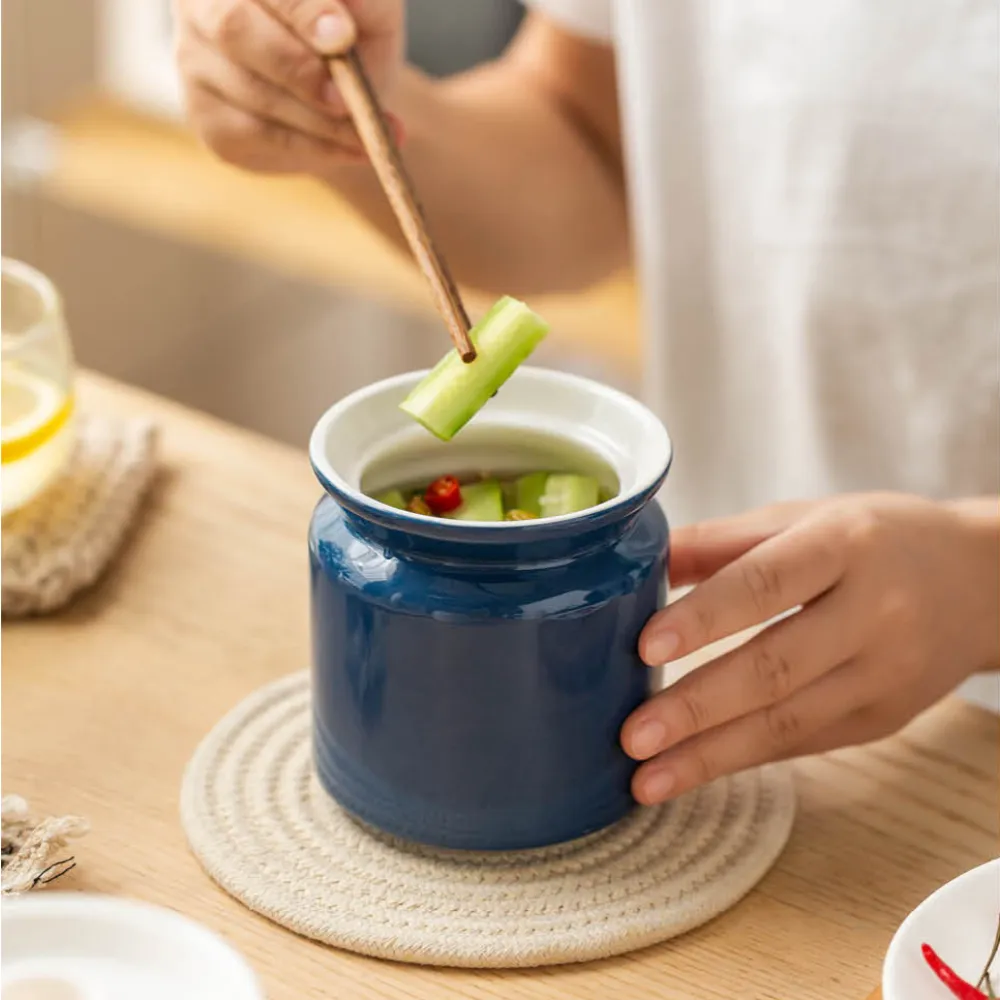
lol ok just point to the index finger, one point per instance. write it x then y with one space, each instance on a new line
251 34
701 549
781 573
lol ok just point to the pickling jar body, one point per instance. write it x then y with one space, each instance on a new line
470 680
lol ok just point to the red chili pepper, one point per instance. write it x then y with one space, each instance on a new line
948 976
443 495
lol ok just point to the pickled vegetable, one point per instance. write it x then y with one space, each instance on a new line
568 494
392 498
519 498
480 502
443 495
454 392
519 515
528 492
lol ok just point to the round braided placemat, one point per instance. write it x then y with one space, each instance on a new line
263 828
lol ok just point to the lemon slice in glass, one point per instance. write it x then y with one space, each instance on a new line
32 411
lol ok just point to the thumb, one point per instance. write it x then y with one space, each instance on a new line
697 551
335 31
326 25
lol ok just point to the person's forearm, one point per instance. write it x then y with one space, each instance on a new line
519 197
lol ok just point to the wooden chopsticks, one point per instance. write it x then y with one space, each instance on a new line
376 136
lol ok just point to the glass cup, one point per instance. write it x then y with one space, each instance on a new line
36 385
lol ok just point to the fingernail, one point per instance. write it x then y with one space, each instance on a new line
662 646
333 32
658 786
647 739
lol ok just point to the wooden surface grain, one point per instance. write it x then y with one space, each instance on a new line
104 703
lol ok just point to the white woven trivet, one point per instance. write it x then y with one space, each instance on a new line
61 542
263 828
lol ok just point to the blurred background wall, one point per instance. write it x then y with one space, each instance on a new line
256 299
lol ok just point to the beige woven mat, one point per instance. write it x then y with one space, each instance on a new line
265 831
63 540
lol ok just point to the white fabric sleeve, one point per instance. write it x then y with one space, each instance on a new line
589 18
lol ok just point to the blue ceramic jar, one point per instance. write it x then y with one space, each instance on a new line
470 679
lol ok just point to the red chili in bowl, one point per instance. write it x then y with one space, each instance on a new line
443 495
951 979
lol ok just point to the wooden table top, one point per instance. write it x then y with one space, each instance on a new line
104 703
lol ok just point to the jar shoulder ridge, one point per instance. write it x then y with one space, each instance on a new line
347 560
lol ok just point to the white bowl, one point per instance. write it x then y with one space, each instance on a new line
74 946
959 922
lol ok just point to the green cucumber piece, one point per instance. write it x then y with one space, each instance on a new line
566 494
528 491
454 392
509 489
480 502
391 498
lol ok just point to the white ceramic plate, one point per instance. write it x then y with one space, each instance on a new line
959 922
74 946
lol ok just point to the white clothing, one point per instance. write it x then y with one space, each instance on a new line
815 192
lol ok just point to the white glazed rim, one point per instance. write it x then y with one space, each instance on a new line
155 920
652 443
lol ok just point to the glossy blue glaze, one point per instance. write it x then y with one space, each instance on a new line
470 681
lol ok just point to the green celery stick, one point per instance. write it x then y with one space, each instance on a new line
454 392
392 498
480 502
528 491
567 493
